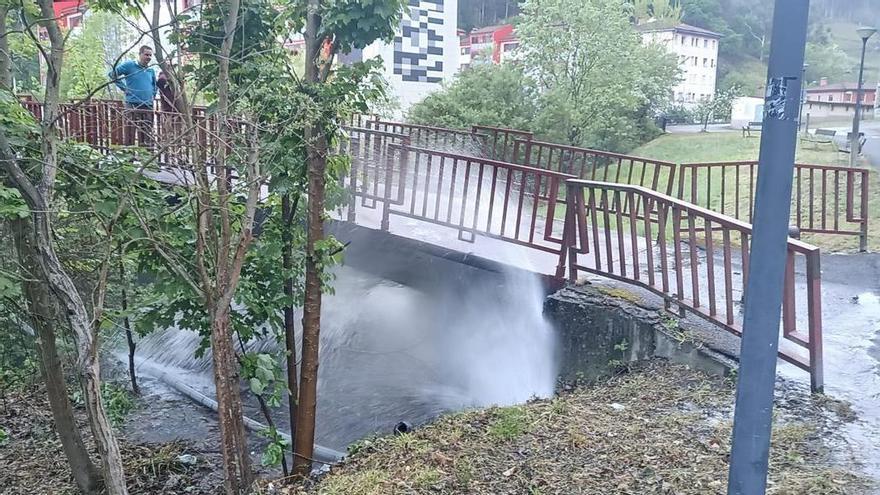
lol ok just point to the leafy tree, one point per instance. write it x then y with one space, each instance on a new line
667 11
30 159
92 49
480 13
598 82
716 107
342 26
826 60
494 95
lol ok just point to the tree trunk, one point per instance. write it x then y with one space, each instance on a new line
126 322
306 408
316 149
39 200
233 443
236 459
85 474
288 212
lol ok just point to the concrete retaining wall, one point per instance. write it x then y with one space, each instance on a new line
598 332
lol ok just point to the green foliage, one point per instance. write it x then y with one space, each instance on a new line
489 94
667 11
90 53
600 86
274 452
621 364
19 366
264 377
590 81
25 64
4 437
717 107
118 402
826 60
356 23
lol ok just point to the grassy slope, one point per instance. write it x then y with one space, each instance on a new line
659 429
844 34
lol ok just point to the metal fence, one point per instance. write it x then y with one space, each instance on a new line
826 199
695 259
590 164
452 140
475 196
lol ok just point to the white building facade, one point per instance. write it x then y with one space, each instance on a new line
697 52
424 54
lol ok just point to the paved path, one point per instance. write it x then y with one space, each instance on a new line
697 128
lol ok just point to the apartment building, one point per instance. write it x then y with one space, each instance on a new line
697 52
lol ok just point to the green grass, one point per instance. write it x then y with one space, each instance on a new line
510 423
731 146
722 146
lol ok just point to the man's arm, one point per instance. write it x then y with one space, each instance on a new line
117 75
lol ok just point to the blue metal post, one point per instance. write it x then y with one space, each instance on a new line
757 372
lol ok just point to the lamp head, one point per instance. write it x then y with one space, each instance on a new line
866 32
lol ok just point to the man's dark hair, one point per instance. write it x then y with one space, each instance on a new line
144 48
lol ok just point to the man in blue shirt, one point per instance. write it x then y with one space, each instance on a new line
138 81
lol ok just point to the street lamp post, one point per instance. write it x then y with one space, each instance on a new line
803 96
864 33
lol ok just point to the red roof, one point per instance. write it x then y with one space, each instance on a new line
846 86
489 29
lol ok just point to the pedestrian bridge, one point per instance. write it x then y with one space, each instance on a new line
680 231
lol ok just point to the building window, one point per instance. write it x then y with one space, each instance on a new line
509 47
74 21
683 38
713 43
705 62
712 62
705 43
695 61
465 50
830 97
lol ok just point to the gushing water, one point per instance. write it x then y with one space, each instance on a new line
390 353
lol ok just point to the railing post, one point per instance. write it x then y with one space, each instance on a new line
352 183
814 315
788 299
567 251
863 230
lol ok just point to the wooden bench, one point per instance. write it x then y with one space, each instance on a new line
821 136
751 126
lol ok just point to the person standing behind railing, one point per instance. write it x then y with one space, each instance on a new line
138 81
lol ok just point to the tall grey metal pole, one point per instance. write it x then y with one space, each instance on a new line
760 342
854 142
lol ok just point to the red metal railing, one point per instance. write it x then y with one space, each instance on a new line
499 142
826 199
457 141
477 196
694 258
371 170
597 165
